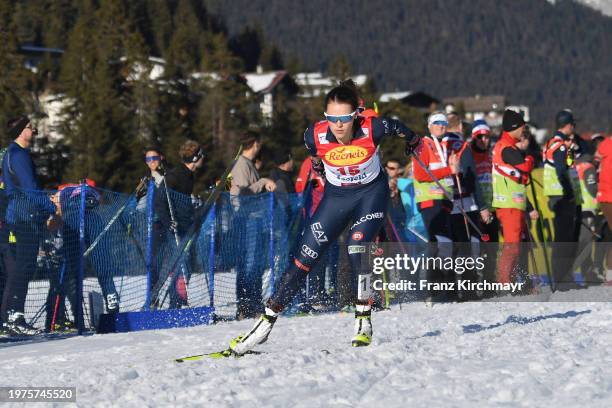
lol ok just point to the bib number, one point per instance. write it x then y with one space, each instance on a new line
349 170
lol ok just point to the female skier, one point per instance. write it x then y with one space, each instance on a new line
343 149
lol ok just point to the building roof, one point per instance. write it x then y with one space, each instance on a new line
418 99
313 84
263 82
391 96
479 103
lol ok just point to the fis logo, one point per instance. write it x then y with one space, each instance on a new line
318 233
309 252
322 138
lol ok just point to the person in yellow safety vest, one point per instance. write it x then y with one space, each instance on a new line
562 187
431 201
592 219
511 169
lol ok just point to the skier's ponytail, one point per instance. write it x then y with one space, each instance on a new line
345 92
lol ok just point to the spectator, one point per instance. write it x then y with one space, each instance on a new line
511 169
154 159
433 203
245 178
250 221
27 213
562 186
483 159
7 260
155 162
282 174
414 221
592 218
66 242
395 210
604 197
180 212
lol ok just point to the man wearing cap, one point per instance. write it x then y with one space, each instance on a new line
511 168
28 211
432 202
562 187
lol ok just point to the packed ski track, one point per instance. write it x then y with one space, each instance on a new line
459 355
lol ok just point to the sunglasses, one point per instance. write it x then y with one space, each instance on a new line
341 118
152 159
392 168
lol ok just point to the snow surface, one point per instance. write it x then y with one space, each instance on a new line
604 6
525 354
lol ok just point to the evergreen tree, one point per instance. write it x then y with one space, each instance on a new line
225 110
14 78
101 125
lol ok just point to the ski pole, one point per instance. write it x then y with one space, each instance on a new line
57 296
176 236
465 222
484 237
110 224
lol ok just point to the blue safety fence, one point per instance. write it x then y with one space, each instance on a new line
116 252
108 252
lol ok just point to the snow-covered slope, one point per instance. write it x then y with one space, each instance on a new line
460 355
605 6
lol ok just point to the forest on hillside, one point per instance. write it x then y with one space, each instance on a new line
541 55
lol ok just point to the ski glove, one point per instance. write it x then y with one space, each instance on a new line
412 142
318 167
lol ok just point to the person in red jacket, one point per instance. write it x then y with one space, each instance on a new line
307 175
511 168
604 196
433 203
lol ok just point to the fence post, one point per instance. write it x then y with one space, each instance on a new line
149 254
271 242
80 321
211 254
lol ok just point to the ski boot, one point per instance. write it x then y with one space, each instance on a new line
363 326
258 334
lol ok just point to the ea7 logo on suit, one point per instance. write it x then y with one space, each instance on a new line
318 233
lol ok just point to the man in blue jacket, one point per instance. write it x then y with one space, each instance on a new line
27 213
